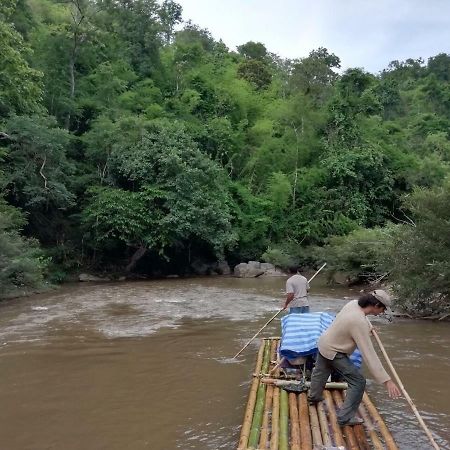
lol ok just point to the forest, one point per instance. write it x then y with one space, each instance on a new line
132 142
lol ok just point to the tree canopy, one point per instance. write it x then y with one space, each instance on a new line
129 138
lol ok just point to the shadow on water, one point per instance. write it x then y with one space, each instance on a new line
148 365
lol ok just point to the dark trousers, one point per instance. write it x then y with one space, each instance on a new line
349 372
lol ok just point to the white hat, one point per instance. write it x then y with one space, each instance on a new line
383 297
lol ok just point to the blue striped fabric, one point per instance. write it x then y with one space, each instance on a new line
300 333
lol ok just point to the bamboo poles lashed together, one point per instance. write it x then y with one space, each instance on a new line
245 431
258 413
379 424
273 317
408 398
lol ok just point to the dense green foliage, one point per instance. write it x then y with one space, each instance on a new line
22 264
420 254
362 254
131 140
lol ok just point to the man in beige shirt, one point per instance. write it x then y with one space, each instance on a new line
349 330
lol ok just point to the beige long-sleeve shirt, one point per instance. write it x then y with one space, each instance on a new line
349 330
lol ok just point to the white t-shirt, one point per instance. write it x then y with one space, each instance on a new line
298 285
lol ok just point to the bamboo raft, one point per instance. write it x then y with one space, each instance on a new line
279 420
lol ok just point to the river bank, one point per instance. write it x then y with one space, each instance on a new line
252 269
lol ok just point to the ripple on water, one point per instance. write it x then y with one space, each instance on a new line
105 309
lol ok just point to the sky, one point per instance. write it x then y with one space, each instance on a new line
362 33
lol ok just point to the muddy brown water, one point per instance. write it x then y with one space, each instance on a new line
147 365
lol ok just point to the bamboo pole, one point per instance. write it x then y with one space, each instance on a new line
377 445
260 400
257 417
273 317
361 437
385 433
305 430
408 398
245 431
256 334
273 350
281 383
315 428
264 437
277 371
352 443
335 428
266 357
277 366
326 439
359 432
284 420
275 419
295 424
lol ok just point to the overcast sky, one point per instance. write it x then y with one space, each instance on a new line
363 33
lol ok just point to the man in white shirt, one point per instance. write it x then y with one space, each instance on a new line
297 287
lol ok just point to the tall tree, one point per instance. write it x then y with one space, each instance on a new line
315 74
20 84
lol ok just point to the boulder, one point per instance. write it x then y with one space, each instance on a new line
244 270
240 269
254 264
254 269
253 273
274 273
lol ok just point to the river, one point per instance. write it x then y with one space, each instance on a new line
147 365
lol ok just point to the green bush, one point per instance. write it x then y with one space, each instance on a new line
21 260
420 254
361 254
278 258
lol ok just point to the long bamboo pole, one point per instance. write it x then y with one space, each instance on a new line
281 383
315 427
305 430
277 371
259 404
377 445
361 437
408 398
284 420
359 432
335 428
275 419
348 431
264 437
273 350
295 424
384 430
273 317
324 425
245 431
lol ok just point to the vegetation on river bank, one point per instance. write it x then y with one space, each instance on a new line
128 145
